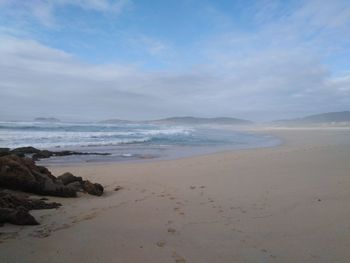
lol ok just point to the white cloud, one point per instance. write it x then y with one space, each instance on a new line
44 10
277 71
37 80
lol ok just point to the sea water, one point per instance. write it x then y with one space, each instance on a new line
126 141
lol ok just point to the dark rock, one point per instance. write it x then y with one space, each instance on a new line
15 207
17 217
118 188
4 151
23 151
68 178
37 154
42 155
15 200
93 189
76 186
22 174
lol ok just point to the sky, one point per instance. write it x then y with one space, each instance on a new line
91 60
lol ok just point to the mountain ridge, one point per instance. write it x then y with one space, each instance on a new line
185 120
336 117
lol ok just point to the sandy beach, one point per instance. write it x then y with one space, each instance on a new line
289 203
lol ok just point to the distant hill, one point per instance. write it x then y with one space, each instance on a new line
116 121
188 120
42 119
195 121
332 118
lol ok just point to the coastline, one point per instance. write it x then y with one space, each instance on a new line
288 203
174 153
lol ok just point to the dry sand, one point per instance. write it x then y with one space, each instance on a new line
285 204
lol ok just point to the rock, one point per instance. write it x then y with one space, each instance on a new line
93 189
4 151
37 154
42 154
118 188
15 200
23 151
68 178
161 243
17 217
76 186
171 230
15 207
22 174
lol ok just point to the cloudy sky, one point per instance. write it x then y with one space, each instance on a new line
145 59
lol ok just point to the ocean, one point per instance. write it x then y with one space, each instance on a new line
126 141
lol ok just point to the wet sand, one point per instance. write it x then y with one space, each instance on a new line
290 203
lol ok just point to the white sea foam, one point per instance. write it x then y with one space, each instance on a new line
49 135
125 141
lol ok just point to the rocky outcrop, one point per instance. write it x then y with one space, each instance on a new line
14 200
4 151
15 207
22 174
78 184
68 178
37 154
92 188
17 217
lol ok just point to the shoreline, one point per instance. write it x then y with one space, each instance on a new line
174 152
282 204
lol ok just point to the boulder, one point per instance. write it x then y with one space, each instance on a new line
15 200
118 188
22 174
4 151
23 151
76 186
93 189
37 154
15 207
17 217
68 178
42 154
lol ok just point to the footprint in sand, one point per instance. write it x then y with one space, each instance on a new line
178 258
171 230
177 209
4 236
41 233
161 243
